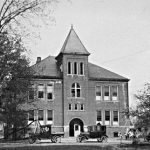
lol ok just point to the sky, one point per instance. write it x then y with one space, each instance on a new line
115 32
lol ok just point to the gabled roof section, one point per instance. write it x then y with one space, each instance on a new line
47 68
73 44
99 73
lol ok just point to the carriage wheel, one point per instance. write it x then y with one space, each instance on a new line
54 139
104 139
83 139
99 140
31 140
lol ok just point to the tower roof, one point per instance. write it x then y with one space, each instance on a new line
73 44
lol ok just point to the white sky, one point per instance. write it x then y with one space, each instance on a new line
115 32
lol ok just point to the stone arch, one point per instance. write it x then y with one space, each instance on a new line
76 121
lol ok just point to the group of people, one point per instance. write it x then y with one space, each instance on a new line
133 133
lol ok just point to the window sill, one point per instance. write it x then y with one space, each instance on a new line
75 75
77 110
76 98
50 100
106 101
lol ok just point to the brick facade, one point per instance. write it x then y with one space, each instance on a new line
74 113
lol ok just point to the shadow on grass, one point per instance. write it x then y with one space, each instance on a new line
141 145
61 147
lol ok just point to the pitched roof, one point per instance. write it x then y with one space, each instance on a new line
99 73
73 44
47 68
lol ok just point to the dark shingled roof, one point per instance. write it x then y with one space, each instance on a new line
99 73
47 68
73 44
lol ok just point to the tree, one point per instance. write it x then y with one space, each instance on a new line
142 110
14 13
15 81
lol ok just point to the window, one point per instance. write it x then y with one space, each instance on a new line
114 92
50 89
107 117
75 68
31 115
40 91
106 93
40 115
75 90
99 115
70 107
31 92
75 106
49 115
115 116
81 107
69 68
81 68
98 93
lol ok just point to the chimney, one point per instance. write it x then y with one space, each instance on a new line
38 60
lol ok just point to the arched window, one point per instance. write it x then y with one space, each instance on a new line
75 90
75 68
69 68
81 68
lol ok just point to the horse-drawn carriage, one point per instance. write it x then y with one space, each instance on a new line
94 132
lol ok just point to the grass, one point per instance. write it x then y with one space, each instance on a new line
61 147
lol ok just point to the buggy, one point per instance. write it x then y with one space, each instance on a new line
45 133
94 132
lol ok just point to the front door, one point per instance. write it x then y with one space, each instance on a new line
77 129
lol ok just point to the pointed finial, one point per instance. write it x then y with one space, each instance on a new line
71 26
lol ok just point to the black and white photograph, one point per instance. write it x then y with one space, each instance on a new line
74 74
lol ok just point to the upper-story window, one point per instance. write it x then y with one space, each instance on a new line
106 93
98 93
50 91
41 91
69 68
81 68
82 107
31 92
70 107
75 68
75 90
114 93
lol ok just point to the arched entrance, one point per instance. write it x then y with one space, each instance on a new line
75 127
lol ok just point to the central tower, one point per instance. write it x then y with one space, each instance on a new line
73 62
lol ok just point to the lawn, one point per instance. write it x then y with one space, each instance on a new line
61 147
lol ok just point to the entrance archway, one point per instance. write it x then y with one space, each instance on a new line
75 127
